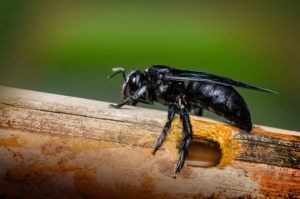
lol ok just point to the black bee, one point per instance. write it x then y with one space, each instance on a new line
166 85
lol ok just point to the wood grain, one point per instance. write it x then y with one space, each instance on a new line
82 148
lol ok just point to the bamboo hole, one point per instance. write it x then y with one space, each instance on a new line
204 154
213 145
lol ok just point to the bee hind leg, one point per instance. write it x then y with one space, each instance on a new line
196 110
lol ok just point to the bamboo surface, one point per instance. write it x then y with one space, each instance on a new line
67 147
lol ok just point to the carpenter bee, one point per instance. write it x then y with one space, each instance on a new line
186 92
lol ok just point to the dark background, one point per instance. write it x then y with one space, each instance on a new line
69 47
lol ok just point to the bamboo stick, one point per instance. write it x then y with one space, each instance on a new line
60 146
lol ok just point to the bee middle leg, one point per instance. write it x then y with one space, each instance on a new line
171 114
187 139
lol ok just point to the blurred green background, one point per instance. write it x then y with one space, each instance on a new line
69 47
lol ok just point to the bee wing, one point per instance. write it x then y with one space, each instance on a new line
185 75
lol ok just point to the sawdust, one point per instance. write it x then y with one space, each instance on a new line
211 132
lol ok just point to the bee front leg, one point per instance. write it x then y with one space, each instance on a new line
124 102
130 99
187 139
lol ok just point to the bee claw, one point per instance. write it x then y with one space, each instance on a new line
174 175
113 106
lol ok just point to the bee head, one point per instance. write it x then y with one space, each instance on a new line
132 82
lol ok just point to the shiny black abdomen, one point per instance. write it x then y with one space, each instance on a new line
221 99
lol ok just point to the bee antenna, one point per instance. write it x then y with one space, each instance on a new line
117 71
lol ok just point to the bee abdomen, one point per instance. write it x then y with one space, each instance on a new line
222 100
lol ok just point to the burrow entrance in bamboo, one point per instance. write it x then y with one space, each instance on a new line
205 154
